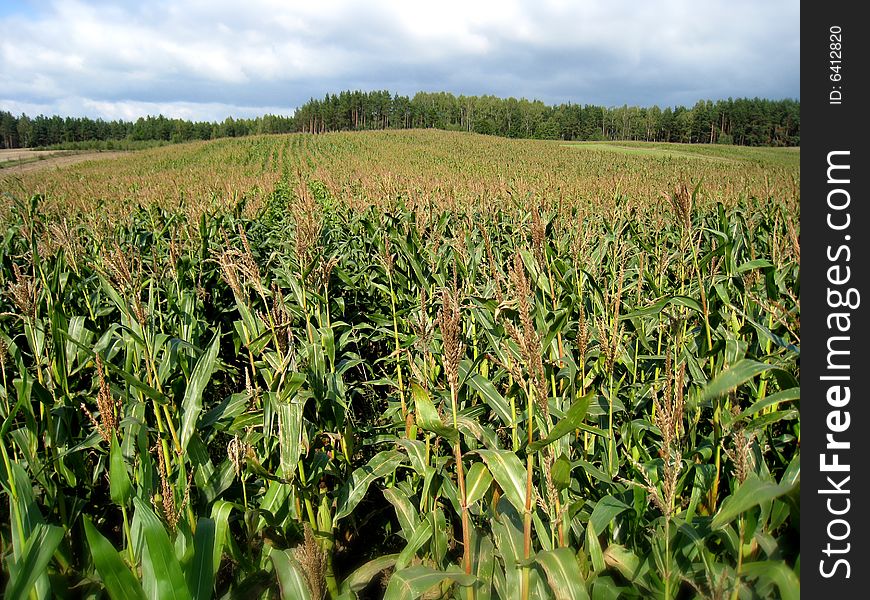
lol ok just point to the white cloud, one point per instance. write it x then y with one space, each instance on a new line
198 58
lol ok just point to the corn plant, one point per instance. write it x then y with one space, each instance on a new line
344 377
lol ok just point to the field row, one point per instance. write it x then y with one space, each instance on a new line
354 366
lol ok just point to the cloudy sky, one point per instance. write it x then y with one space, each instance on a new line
208 59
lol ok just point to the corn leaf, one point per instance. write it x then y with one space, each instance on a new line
751 493
161 572
509 473
350 494
291 578
34 560
563 574
413 582
118 580
191 404
733 377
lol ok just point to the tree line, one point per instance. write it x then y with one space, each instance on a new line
743 121
39 131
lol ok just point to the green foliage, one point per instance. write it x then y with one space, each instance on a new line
119 581
324 397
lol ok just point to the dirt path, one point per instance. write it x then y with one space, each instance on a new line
16 162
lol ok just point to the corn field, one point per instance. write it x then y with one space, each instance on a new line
402 365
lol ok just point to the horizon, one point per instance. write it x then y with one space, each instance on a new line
293 111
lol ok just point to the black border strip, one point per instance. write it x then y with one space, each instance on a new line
834 240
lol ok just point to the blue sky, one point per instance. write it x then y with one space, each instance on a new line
205 59
17 7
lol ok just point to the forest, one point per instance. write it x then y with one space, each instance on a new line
742 121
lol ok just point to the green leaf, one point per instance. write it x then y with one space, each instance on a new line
220 514
404 510
793 472
24 504
491 396
290 576
416 454
592 470
161 572
751 493
149 391
605 511
118 580
191 405
75 330
561 473
485 567
778 573
413 582
120 487
351 493
327 339
788 395
739 373
509 473
563 574
477 482
661 304
593 546
290 436
34 560
200 576
567 424
764 421
427 416
420 537
360 578
628 564
604 588
507 529
758 263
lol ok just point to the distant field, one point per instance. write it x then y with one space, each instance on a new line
16 162
8 157
785 157
421 166
402 365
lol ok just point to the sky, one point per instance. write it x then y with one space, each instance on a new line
209 59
